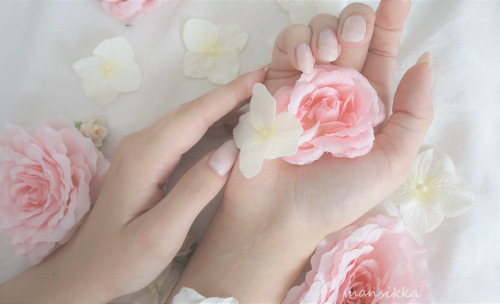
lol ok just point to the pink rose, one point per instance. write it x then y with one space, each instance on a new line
49 174
130 11
338 109
378 262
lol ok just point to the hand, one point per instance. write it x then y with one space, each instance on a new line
134 230
277 218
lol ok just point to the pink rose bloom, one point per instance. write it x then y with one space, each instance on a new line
130 11
49 175
378 262
338 109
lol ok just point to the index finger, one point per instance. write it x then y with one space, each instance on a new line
181 129
383 51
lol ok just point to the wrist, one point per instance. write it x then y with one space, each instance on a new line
54 280
251 263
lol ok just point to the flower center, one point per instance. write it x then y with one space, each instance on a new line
265 133
420 187
106 68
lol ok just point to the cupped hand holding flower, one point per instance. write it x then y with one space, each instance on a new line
287 209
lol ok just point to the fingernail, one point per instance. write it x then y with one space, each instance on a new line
305 59
255 68
222 160
354 29
327 45
426 57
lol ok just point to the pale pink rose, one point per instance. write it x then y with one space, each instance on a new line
130 12
338 109
49 175
377 262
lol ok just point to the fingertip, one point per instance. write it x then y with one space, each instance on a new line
356 23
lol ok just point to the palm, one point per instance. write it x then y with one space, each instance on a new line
331 192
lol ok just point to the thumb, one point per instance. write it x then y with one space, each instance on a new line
172 217
404 132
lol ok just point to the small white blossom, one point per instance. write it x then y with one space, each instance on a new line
213 50
432 191
260 135
301 11
111 71
95 129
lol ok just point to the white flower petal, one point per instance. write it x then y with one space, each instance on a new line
285 4
90 68
419 216
243 131
252 155
225 67
454 197
114 48
286 133
262 108
196 65
200 36
99 92
126 75
232 37
440 162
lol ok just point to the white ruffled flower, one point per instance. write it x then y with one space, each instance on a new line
301 11
111 71
260 135
95 129
433 191
213 50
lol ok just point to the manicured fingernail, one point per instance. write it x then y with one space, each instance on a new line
305 59
354 29
222 160
426 57
327 45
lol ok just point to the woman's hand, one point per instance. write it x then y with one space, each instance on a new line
276 219
134 229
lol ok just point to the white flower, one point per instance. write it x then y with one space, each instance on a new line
213 51
191 296
95 129
432 192
112 70
259 134
301 11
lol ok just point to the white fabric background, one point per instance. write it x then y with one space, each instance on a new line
40 40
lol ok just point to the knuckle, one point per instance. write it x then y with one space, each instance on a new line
192 188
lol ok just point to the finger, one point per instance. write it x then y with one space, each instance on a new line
324 44
383 51
292 51
176 132
404 132
172 217
354 34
